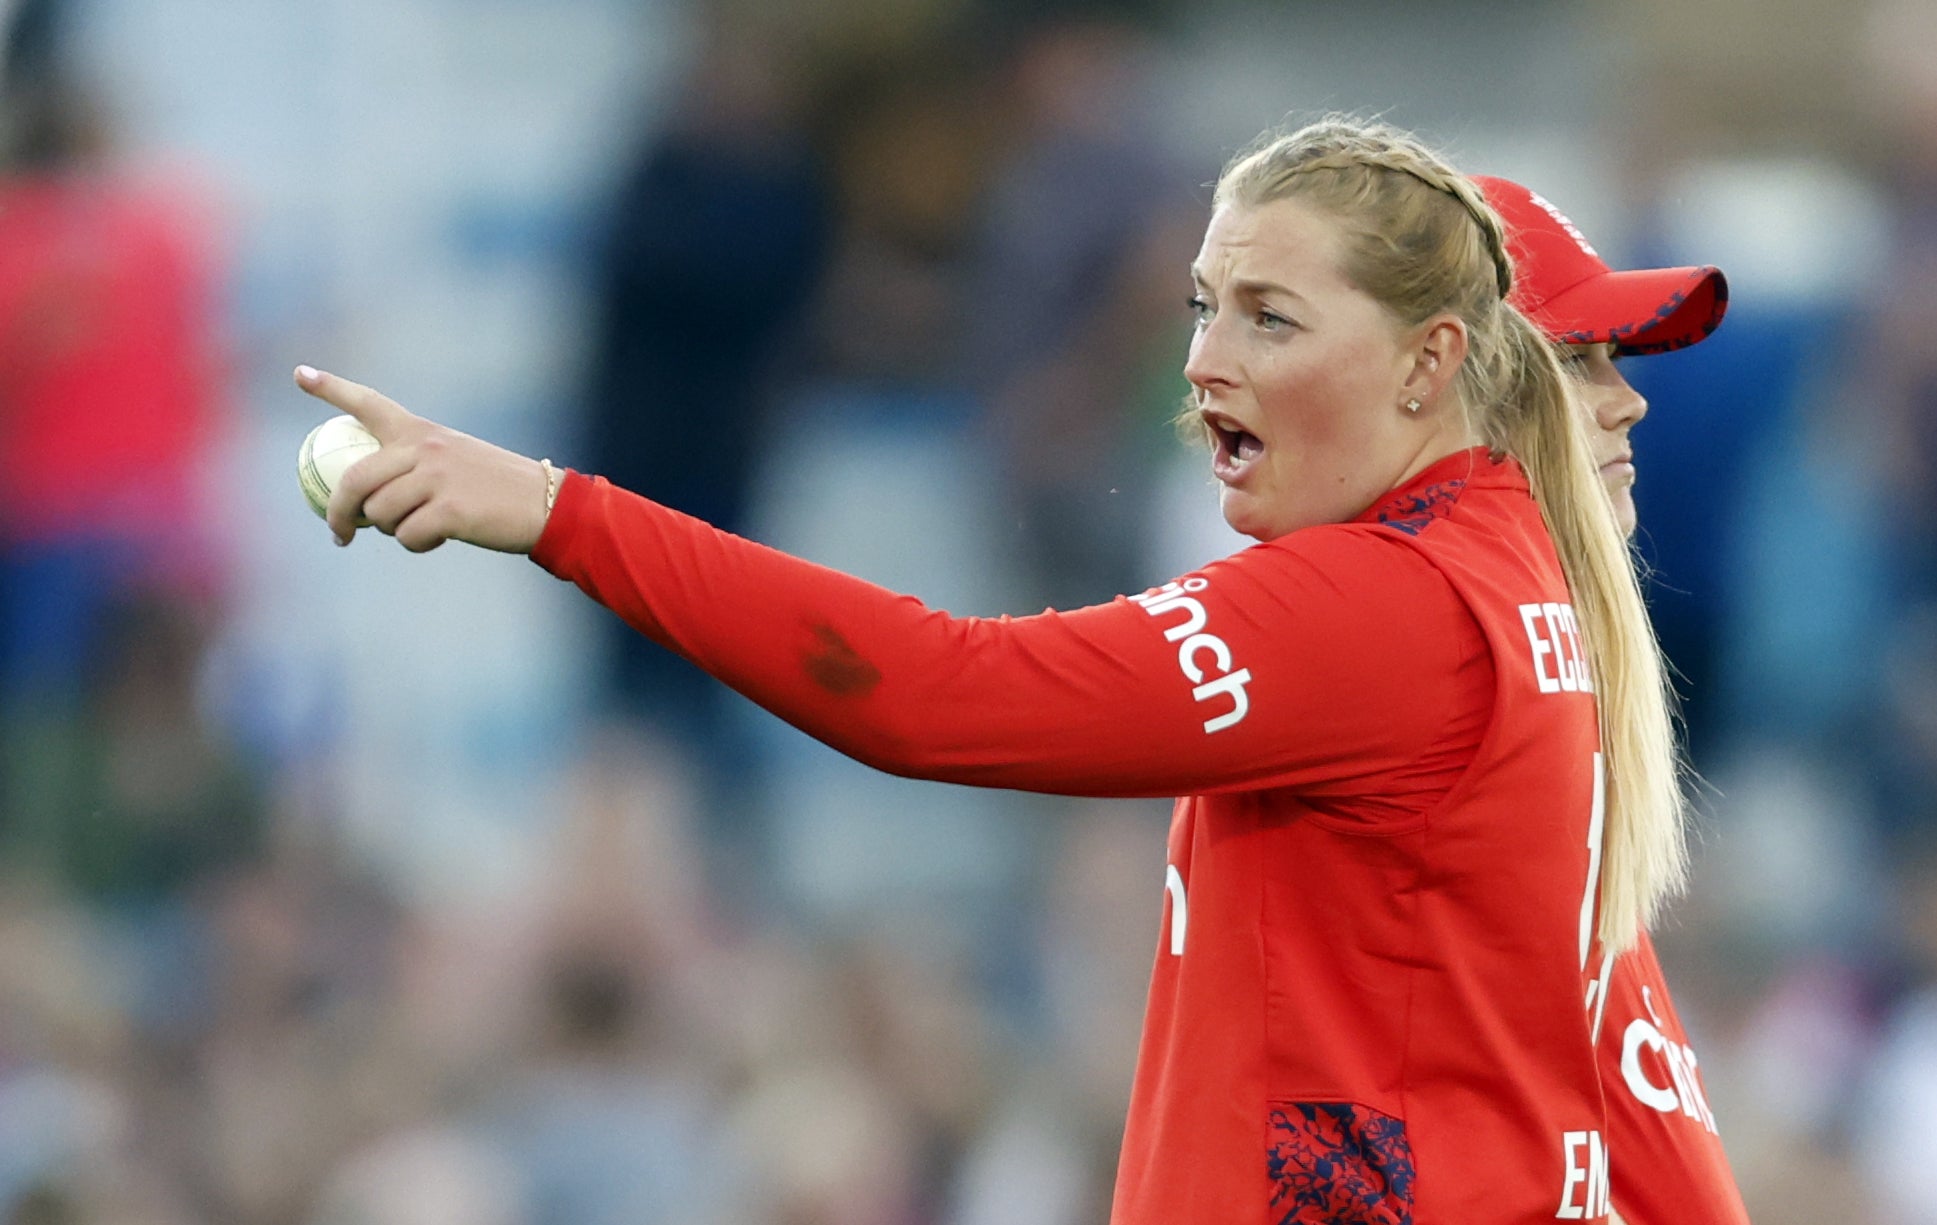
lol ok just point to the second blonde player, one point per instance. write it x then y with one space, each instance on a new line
1668 1167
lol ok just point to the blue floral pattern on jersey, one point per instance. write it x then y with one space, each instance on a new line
1338 1163
1411 512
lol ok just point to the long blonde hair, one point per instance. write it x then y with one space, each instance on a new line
1421 240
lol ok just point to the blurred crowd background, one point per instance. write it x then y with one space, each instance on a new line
343 887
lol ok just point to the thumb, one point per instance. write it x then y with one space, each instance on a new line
378 413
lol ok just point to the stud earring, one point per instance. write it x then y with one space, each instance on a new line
1413 405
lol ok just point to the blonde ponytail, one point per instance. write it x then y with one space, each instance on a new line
1644 858
1421 239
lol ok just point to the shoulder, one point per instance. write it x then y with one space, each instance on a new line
1340 555
1361 578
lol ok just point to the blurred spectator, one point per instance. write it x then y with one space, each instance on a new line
875 463
145 800
1089 231
107 373
1897 384
109 405
1903 368
714 244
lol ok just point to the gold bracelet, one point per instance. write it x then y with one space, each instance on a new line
554 481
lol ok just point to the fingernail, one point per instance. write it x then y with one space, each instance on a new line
308 374
342 542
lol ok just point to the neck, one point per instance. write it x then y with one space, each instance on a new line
1448 435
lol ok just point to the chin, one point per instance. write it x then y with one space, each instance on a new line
1624 512
1247 518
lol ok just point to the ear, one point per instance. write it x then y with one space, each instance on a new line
1438 350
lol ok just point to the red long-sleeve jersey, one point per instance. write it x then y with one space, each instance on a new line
1367 998
1672 1166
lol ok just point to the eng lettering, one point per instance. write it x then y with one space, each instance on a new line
1583 1196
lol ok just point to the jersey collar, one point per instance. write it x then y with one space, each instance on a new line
1434 492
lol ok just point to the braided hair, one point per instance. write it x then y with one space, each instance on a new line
1421 240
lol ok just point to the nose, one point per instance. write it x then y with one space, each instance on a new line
1623 407
1206 368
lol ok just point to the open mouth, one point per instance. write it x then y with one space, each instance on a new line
1234 447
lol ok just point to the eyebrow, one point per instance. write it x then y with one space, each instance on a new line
1251 286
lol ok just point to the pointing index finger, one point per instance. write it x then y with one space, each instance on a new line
379 414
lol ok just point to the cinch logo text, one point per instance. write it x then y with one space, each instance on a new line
1195 648
1683 1089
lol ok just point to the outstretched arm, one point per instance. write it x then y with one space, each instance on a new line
1276 668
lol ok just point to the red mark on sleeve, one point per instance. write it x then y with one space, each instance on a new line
836 667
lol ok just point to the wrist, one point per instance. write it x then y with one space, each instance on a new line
561 520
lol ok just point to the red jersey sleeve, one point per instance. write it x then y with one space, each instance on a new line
1337 660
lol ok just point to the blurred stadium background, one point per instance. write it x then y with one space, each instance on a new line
349 888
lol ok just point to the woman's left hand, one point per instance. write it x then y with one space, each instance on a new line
428 483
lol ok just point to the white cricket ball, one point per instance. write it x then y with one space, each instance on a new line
327 453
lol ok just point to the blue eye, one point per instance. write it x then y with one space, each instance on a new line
1270 322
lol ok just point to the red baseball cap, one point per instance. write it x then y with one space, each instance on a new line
1562 284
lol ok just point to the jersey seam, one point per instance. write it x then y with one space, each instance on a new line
1260 934
1424 818
1488 738
1412 994
1413 824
